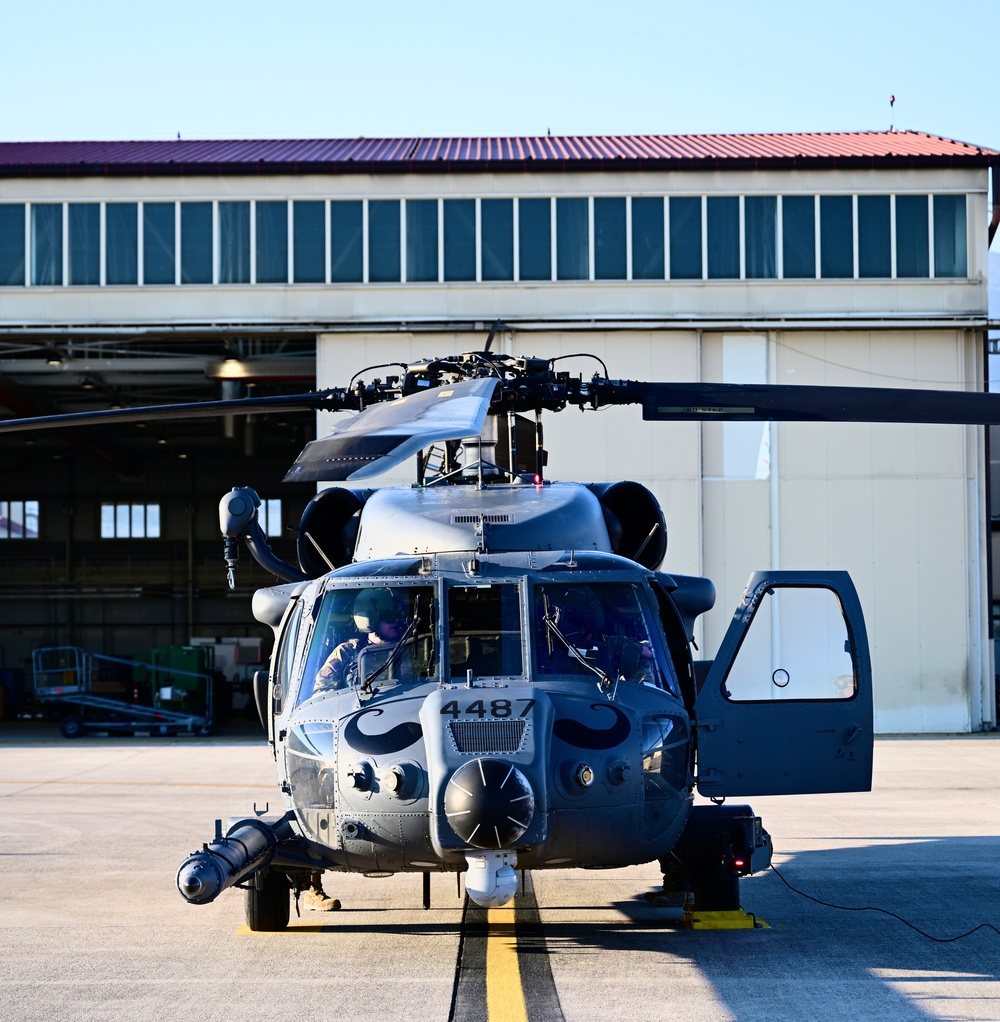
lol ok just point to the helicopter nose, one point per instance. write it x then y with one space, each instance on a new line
489 803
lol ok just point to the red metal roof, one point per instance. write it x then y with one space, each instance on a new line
533 153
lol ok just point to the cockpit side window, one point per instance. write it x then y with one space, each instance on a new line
378 629
602 629
285 656
484 630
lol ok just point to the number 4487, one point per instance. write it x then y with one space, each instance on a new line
481 709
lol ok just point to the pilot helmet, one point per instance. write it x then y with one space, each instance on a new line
373 607
579 612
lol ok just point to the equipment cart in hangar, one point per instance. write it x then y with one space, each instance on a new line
68 674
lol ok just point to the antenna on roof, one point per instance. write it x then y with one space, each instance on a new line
892 100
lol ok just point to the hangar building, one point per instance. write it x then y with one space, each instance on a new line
146 272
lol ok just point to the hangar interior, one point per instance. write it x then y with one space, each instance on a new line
150 273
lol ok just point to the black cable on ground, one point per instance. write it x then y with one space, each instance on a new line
885 911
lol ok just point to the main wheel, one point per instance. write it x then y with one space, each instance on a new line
71 727
267 906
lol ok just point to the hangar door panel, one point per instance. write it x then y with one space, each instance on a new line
787 705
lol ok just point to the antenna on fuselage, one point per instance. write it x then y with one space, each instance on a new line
539 449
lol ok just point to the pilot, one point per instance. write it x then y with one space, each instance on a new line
314 896
380 617
580 617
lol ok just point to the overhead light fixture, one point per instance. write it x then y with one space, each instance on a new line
161 440
53 357
87 383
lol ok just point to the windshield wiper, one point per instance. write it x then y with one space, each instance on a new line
551 628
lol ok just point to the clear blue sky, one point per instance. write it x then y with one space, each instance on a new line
304 68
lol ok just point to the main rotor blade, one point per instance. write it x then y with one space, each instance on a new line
386 434
192 410
787 403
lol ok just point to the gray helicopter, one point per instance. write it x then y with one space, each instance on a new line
487 672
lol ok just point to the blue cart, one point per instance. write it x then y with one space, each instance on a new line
65 674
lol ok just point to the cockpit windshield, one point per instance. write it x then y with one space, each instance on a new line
601 629
484 630
369 635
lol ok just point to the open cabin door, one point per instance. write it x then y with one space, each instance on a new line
786 707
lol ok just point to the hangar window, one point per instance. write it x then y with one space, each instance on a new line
158 229
309 242
572 239
383 240
130 521
196 243
534 238
836 236
950 237
685 238
798 236
874 236
234 242
459 239
723 237
121 247
346 243
84 243
647 238
46 243
12 244
610 261
269 516
912 250
760 217
421 239
18 519
272 242
497 227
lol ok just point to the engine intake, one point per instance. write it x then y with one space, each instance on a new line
328 530
635 521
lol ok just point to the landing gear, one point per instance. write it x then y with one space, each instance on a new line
719 845
266 901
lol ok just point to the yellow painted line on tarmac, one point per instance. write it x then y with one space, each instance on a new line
504 993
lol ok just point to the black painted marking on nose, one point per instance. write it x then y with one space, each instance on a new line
402 736
572 732
468 999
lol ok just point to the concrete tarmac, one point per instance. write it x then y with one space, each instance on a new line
92 832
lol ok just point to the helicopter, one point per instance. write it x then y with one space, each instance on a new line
488 672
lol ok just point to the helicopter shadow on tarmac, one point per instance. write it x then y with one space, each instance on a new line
817 962
811 961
